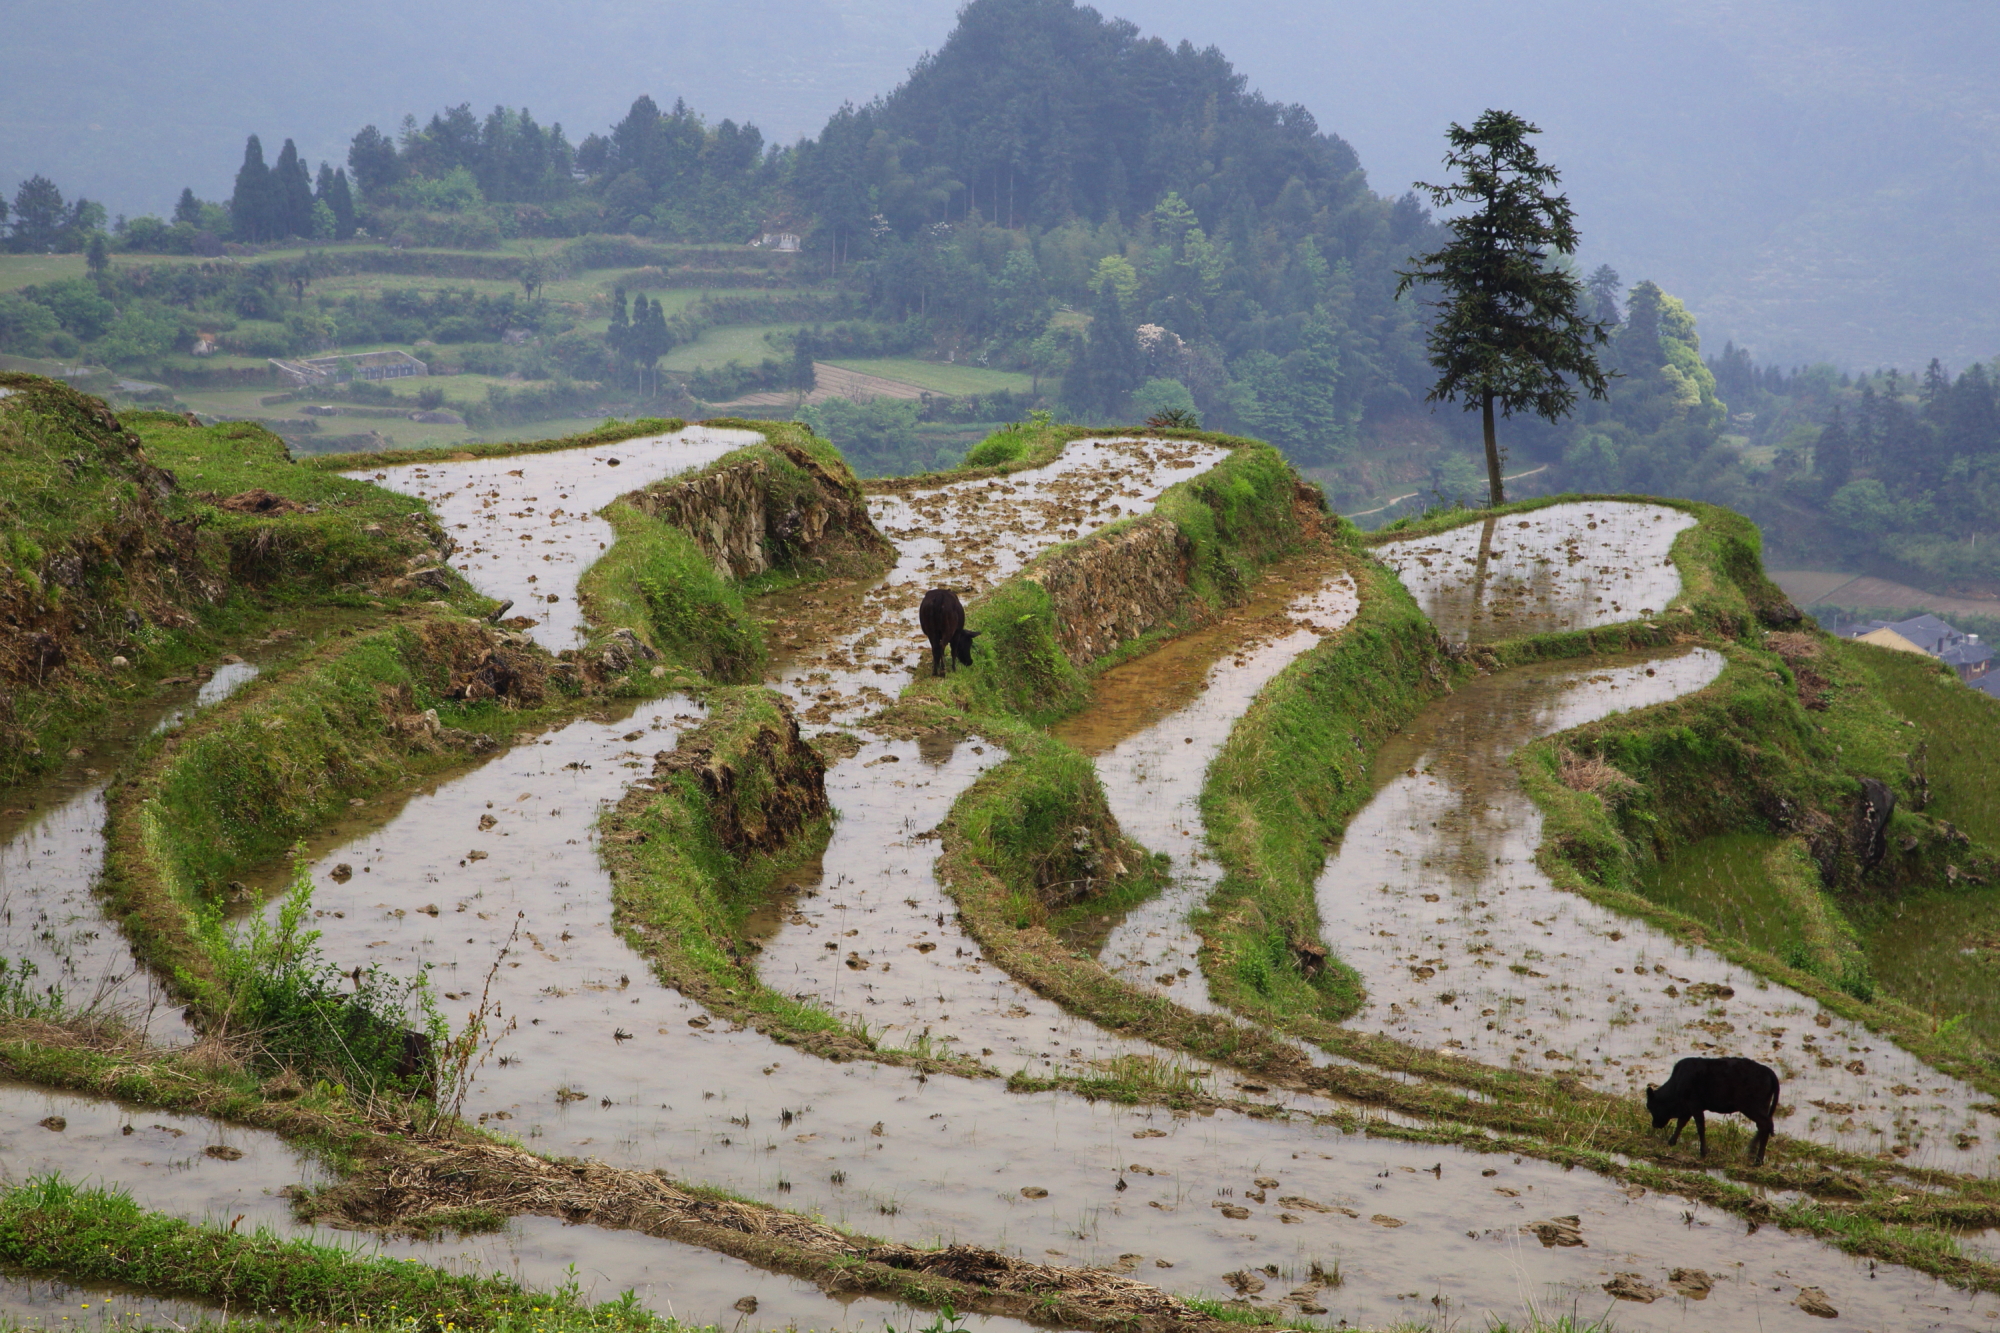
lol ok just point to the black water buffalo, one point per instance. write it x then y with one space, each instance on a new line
943 618
1728 1086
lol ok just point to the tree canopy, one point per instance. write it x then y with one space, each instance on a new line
1510 330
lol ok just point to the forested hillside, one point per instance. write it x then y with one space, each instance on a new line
1049 212
1122 220
1888 472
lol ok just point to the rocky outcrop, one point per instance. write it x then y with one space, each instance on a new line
1112 590
767 511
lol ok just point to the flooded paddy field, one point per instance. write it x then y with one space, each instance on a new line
845 653
1568 566
607 1063
1153 773
52 853
526 526
1466 946
205 1170
1288 1214
187 1165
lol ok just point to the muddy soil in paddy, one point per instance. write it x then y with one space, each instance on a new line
841 653
1152 768
526 527
206 1171
52 853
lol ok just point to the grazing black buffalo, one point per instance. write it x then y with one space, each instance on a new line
943 618
1728 1086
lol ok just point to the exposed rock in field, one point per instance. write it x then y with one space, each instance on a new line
1633 1287
1557 1231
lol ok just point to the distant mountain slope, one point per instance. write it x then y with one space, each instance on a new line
1815 177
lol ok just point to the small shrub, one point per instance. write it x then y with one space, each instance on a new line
275 986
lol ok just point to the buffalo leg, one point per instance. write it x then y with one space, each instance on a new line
1765 1128
1701 1132
1675 1137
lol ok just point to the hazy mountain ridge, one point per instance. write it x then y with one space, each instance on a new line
1815 179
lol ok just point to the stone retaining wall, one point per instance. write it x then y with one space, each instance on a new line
745 525
1112 590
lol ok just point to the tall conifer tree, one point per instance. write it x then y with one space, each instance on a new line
251 214
293 191
1510 331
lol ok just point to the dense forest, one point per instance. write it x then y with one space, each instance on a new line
1885 471
1048 192
1121 220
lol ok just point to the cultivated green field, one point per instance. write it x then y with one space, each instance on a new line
939 377
17 271
718 347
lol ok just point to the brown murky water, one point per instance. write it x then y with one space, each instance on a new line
1153 775
1466 946
1569 566
527 526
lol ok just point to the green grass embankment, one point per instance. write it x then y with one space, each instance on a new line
1289 777
692 856
144 538
1294 769
657 579
88 1234
251 776
372 711
1777 745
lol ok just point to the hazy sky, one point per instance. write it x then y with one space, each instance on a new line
1817 179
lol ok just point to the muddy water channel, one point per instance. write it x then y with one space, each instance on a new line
53 852
607 1063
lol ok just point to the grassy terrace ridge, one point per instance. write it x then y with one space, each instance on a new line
408 1172
229 790
741 799
702 859
252 775
1021 816
88 1234
374 710
1795 721
116 542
